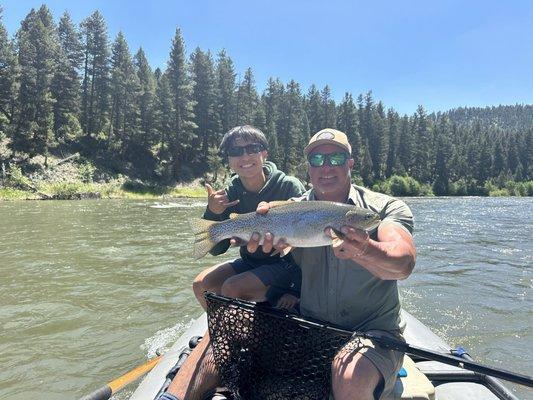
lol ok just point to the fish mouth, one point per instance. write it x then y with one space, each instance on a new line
373 225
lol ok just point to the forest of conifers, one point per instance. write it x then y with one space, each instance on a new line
66 88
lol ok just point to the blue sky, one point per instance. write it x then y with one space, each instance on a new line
441 54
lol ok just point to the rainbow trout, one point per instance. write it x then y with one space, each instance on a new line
301 224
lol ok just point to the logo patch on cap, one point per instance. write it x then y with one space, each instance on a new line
325 135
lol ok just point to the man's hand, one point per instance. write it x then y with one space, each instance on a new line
217 201
268 240
353 244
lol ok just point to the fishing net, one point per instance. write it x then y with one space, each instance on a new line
263 353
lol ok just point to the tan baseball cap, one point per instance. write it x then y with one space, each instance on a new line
328 136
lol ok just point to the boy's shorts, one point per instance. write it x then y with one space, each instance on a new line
281 277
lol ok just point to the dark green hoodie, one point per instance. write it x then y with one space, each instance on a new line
277 187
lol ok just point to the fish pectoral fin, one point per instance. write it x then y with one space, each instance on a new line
338 233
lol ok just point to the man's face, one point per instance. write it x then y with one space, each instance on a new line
247 165
331 183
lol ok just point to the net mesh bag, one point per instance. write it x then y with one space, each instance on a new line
263 353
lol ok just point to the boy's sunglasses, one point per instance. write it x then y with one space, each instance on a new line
332 159
237 151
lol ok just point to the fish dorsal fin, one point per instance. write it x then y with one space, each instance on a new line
233 215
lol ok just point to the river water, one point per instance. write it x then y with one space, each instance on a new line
90 289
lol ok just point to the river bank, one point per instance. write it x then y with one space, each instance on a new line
75 190
75 178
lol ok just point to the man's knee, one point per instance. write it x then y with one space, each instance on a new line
354 374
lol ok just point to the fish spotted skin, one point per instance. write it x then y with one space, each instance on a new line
300 224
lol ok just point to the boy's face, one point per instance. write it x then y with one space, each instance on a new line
247 165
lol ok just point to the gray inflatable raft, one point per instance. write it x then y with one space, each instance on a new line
426 380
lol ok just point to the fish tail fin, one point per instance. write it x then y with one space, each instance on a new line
203 237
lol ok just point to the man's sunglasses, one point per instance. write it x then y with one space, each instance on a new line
332 159
237 151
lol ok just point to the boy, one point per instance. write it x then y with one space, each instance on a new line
255 276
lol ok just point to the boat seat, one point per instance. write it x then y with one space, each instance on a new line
414 386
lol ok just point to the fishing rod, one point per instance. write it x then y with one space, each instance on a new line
386 342
398 345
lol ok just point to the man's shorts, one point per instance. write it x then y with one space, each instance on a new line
388 362
281 277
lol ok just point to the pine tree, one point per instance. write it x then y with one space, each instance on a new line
378 140
365 112
498 159
183 126
124 88
37 44
204 97
313 107
146 100
441 185
66 82
329 118
484 161
225 93
8 79
247 99
512 153
163 120
366 167
95 87
423 154
291 130
259 119
393 123
347 122
272 100
526 154
405 146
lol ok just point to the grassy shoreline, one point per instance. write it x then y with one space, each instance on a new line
79 190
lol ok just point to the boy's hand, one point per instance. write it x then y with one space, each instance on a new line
217 201
268 240
287 301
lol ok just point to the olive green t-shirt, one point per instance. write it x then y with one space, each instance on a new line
342 291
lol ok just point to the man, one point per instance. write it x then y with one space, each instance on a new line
353 282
